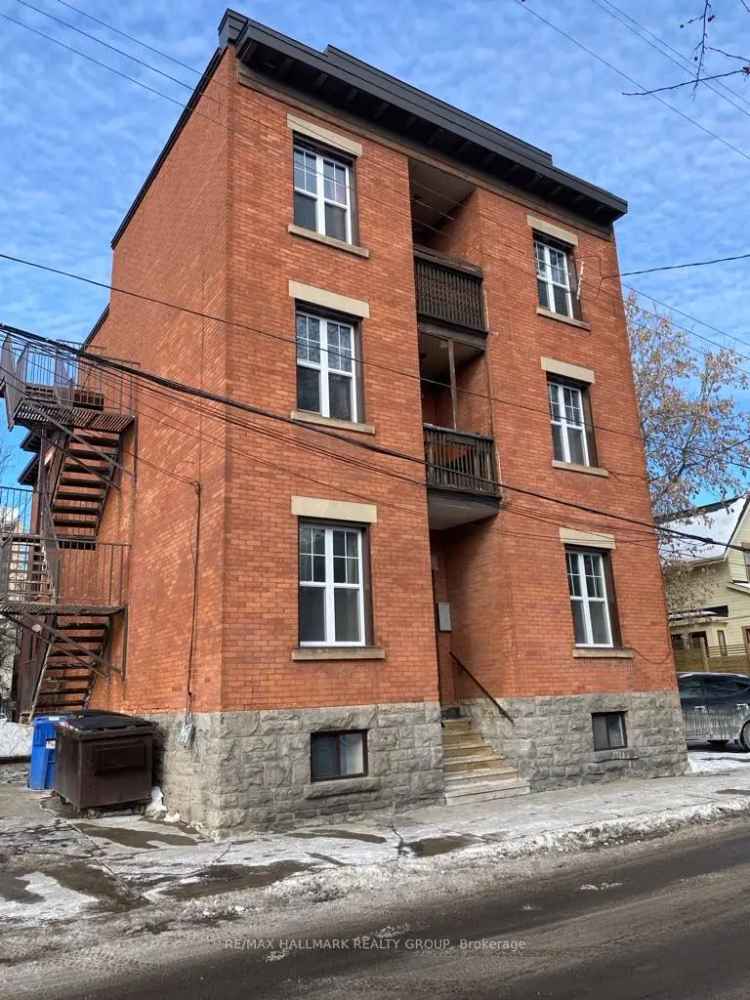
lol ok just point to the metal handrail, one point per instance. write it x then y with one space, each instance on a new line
53 377
44 571
482 688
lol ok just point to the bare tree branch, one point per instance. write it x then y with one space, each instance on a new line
745 71
729 55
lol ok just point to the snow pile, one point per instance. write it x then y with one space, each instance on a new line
15 739
156 809
717 763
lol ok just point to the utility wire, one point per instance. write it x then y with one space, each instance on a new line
291 341
131 38
173 79
678 267
635 83
414 376
228 401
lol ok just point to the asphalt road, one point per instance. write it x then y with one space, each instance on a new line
669 921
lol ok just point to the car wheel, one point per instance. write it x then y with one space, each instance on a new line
745 737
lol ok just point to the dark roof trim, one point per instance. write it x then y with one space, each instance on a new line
466 139
96 327
173 137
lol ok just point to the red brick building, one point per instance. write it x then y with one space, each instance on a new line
421 299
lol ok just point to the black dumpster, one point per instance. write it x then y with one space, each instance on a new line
103 759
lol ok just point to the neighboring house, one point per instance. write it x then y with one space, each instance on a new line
344 629
708 588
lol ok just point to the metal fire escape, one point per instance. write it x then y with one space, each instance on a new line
61 586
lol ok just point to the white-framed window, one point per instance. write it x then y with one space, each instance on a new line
326 376
567 412
331 585
589 599
553 277
322 193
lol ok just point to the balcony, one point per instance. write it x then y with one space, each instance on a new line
47 384
449 293
461 477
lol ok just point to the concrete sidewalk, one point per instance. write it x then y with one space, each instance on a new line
143 874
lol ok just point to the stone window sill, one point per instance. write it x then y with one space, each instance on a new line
624 753
329 241
338 653
582 652
541 311
588 470
341 786
307 417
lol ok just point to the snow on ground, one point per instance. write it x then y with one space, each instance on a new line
15 739
37 898
707 762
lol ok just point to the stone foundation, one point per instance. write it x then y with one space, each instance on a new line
252 769
550 739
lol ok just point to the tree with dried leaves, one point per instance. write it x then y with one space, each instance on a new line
696 435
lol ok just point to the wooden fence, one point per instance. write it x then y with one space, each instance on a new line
732 659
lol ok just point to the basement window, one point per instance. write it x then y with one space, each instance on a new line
609 730
340 754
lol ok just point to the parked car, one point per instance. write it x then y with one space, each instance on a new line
716 708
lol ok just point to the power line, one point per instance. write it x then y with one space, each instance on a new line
228 401
664 49
189 106
291 341
132 38
168 76
678 267
106 45
414 376
635 83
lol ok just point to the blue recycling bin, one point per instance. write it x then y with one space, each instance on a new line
42 766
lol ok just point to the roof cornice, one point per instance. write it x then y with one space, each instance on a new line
338 79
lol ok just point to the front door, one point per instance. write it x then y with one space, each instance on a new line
699 640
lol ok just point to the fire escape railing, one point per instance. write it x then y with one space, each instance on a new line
36 379
41 573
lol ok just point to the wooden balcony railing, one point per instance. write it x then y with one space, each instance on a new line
448 294
460 461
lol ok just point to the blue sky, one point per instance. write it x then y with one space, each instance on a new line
77 141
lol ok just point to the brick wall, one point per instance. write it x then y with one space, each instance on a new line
212 234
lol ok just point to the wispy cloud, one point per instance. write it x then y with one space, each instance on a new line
78 141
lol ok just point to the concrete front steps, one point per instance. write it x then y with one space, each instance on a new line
473 771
